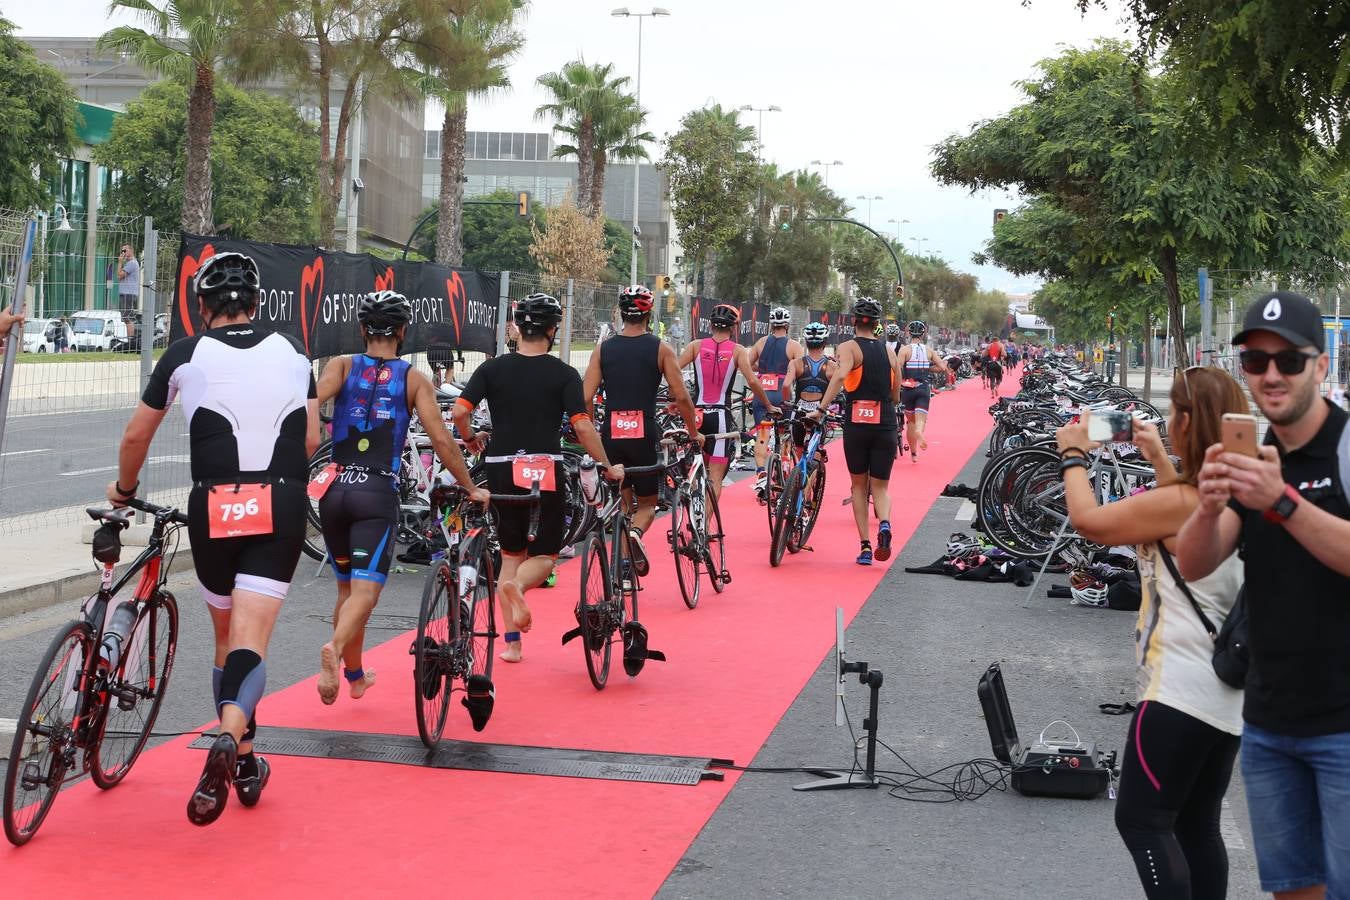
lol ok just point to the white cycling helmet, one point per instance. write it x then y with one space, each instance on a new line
780 315
1086 589
961 545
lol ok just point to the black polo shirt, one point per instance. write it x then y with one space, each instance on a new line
1299 610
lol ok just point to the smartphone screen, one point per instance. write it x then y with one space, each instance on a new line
1111 425
1239 434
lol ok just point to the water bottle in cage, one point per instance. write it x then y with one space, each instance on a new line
115 635
590 480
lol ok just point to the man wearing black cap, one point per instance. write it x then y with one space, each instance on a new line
1288 514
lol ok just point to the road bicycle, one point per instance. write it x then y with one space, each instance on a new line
607 611
97 692
803 491
695 534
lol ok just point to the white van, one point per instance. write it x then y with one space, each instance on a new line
39 335
98 329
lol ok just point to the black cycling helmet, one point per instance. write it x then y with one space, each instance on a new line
815 334
917 329
724 315
635 302
866 308
227 277
892 332
384 312
538 312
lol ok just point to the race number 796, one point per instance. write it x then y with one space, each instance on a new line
237 512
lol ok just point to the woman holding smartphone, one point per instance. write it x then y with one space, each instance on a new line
1184 735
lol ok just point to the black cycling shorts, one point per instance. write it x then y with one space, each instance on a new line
916 399
264 563
635 452
359 527
513 519
870 450
994 371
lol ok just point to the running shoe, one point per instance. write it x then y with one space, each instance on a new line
213 788
639 552
883 542
249 780
761 487
865 557
479 696
551 580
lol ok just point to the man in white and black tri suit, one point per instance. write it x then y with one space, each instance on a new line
249 398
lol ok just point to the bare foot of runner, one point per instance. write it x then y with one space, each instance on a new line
328 674
358 688
515 603
923 442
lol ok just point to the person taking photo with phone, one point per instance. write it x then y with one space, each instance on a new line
1288 510
1183 739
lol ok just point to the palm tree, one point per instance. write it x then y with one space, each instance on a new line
597 112
189 42
470 56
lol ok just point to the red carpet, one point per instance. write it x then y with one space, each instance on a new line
373 830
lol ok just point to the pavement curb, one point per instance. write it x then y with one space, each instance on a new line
73 588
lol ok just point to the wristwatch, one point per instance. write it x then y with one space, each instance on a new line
1283 508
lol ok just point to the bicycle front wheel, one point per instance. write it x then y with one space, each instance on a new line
815 498
45 737
785 519
687 548
717 551
432 651
136 690
593 610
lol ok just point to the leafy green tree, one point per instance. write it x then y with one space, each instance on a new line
190 42
262 162
1128 153
37 122
598 114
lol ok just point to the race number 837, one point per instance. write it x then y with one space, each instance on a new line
525 470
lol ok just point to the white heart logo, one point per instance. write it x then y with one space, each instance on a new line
1272 310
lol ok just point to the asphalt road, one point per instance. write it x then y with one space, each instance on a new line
58 460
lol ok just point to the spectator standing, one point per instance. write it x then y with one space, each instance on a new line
128 281
1288 513
677 333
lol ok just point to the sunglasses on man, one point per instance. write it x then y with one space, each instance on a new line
1287 362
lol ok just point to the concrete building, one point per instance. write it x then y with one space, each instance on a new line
391 136
523 161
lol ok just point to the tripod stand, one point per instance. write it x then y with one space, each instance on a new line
834 779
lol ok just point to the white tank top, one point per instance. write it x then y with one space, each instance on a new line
1174 651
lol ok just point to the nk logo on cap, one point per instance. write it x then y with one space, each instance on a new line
1272 310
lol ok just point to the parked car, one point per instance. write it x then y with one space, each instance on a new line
40 335
99 329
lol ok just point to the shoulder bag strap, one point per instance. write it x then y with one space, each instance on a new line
1181 583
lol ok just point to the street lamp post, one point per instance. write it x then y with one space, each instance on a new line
869 204
897 223
759 131
624 12
826 165
920 241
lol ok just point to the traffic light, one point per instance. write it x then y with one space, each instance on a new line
899 292
1000 215
523 204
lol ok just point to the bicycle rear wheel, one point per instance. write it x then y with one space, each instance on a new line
593 610
314 546
136 690
45 738
687 548
717 551
785 518
478 629
432 651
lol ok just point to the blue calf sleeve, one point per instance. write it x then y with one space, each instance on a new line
243 681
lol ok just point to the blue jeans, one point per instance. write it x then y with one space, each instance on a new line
1298 796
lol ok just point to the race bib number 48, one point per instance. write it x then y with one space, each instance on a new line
240 511
626 423
525 470
322 481
866 412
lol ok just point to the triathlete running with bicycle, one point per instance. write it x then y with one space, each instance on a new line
770 357
373 395
917 360
249 399
529 392
629 367
716 361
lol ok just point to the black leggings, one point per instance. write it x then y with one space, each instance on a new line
1172 782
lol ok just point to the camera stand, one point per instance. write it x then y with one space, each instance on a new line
834 779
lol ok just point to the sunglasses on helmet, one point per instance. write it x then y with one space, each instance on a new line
1287 362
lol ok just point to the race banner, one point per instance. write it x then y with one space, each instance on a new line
312 295
840 324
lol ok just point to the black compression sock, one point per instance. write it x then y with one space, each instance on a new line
246 766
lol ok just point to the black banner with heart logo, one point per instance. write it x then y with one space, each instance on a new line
312 294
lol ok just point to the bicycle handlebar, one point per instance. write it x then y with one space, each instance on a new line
120 513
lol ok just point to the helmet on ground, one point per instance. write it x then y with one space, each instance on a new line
780 315
866 308
635 302
892 332
724 315
917 329
815 334
225 277
961 545
538 312
1086 589
384 312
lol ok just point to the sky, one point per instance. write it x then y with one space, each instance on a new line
871 83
